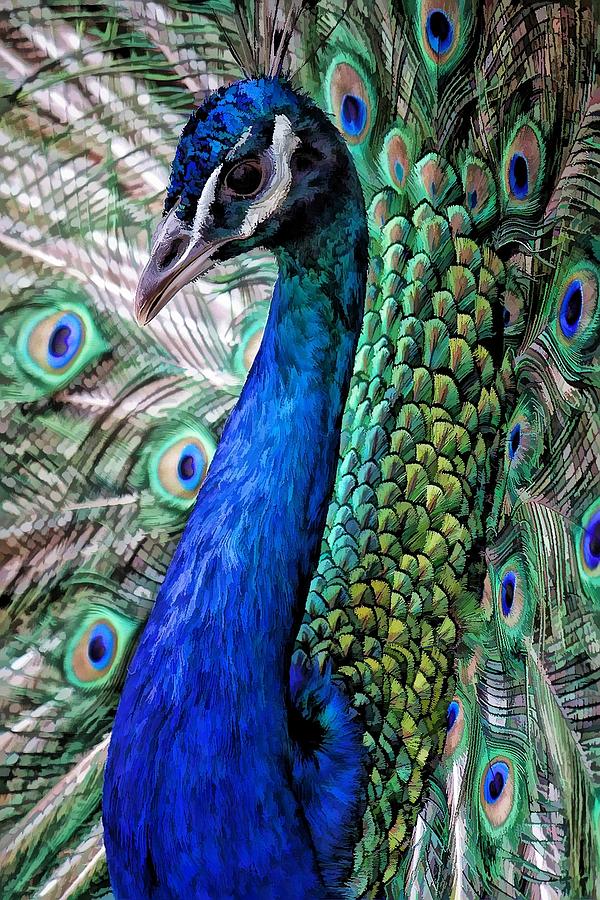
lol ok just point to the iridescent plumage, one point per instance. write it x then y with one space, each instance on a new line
457 587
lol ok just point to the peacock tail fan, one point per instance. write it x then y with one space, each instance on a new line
457 596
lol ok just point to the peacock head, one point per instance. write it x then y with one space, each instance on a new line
258 164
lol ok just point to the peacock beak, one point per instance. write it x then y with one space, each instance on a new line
178 255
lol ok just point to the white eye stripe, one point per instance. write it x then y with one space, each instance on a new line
280 151
206 201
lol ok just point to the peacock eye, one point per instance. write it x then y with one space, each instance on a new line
177 463
523 165
354 114
497 791
65 340
97 647
518 176
452 715
56 341
514 440
591 543
245 179
440 31
455 726
571 308
495 782
587 536
95 651
507 593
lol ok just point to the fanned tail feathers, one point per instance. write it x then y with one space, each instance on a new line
457 596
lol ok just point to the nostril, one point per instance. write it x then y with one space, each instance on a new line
172 253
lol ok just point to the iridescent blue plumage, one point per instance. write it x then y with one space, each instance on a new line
208 789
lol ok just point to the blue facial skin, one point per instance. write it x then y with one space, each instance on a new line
208 792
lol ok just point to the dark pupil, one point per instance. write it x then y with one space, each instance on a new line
244 179
515 439
97 648
574 306
439 27
472 199
520 172
509 594
59 341
595 540
451 717
187 467
506 316
496 785
352 112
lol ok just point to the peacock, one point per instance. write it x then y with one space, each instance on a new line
366 662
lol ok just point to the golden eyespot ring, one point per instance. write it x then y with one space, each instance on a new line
350 102
182 467
578 302
440 29
55 341
522 164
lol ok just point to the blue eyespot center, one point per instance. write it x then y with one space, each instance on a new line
571 309
190 467
518 176
495 781
506 316
514 441
101 646
472 199
65 340
591 542
440 31
399 171
353 114
452 715
507 596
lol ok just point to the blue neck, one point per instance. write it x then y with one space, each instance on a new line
198 797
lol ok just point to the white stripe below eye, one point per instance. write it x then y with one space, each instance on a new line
280 182
164 231
205 202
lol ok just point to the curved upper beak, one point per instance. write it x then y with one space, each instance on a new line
178 255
